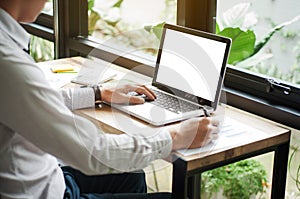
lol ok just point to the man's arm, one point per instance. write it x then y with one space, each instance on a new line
77 98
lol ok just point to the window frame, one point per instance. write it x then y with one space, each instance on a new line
73 39
243 89
248 91
43 27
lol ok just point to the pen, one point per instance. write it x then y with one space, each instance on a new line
205 112
67 72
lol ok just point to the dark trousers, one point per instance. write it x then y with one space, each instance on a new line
112 186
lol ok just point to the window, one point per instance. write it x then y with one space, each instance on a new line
272 74
80 42
131 26
279 56
246 89
48 9
42 34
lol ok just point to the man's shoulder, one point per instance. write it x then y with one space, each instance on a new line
6 45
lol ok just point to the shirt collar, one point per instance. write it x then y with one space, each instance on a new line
13 29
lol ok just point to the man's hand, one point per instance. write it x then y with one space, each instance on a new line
119 95
194 133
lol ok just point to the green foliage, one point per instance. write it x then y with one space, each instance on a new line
267 38
109 25
118 4
239 180
292 75
245 48
41 49
243 43
93 18
217 28
155 29
90 4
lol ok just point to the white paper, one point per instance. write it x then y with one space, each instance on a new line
232 133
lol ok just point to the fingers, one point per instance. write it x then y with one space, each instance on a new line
213 130
136 100
208 129
122 98
215 122
213 125
121 95
142 89
211 120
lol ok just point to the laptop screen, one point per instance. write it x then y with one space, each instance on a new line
192 62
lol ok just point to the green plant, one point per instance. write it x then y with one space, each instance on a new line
239 180
41 49
106 23
244 44
109 22
245 47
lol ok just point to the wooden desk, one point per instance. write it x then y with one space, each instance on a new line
187 169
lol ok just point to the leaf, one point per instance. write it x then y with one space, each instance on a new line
242 44
237 180
91 4
118 4
265 40
156 29
217 28
93 18
239 16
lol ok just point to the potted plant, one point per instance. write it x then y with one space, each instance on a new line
241 180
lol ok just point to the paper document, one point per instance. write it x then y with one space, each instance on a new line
94 73
232 133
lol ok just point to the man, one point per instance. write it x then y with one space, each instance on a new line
37 126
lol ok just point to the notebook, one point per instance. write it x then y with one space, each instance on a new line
94 73
189 72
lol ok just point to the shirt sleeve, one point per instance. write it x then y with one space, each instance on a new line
37 112
77 98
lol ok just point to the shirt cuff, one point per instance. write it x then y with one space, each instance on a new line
77 98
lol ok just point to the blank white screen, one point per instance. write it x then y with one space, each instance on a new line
191 63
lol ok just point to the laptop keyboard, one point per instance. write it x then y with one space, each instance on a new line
172 103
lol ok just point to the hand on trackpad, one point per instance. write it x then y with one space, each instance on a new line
146 98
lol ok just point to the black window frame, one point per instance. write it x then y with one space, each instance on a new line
255 93
43 27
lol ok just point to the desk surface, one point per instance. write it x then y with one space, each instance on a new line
109 121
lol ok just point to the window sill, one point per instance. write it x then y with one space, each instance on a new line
278 113
40 31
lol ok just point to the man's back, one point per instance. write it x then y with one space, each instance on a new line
25 170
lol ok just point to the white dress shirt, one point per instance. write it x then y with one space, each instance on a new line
36 127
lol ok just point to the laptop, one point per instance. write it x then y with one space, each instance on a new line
189 72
